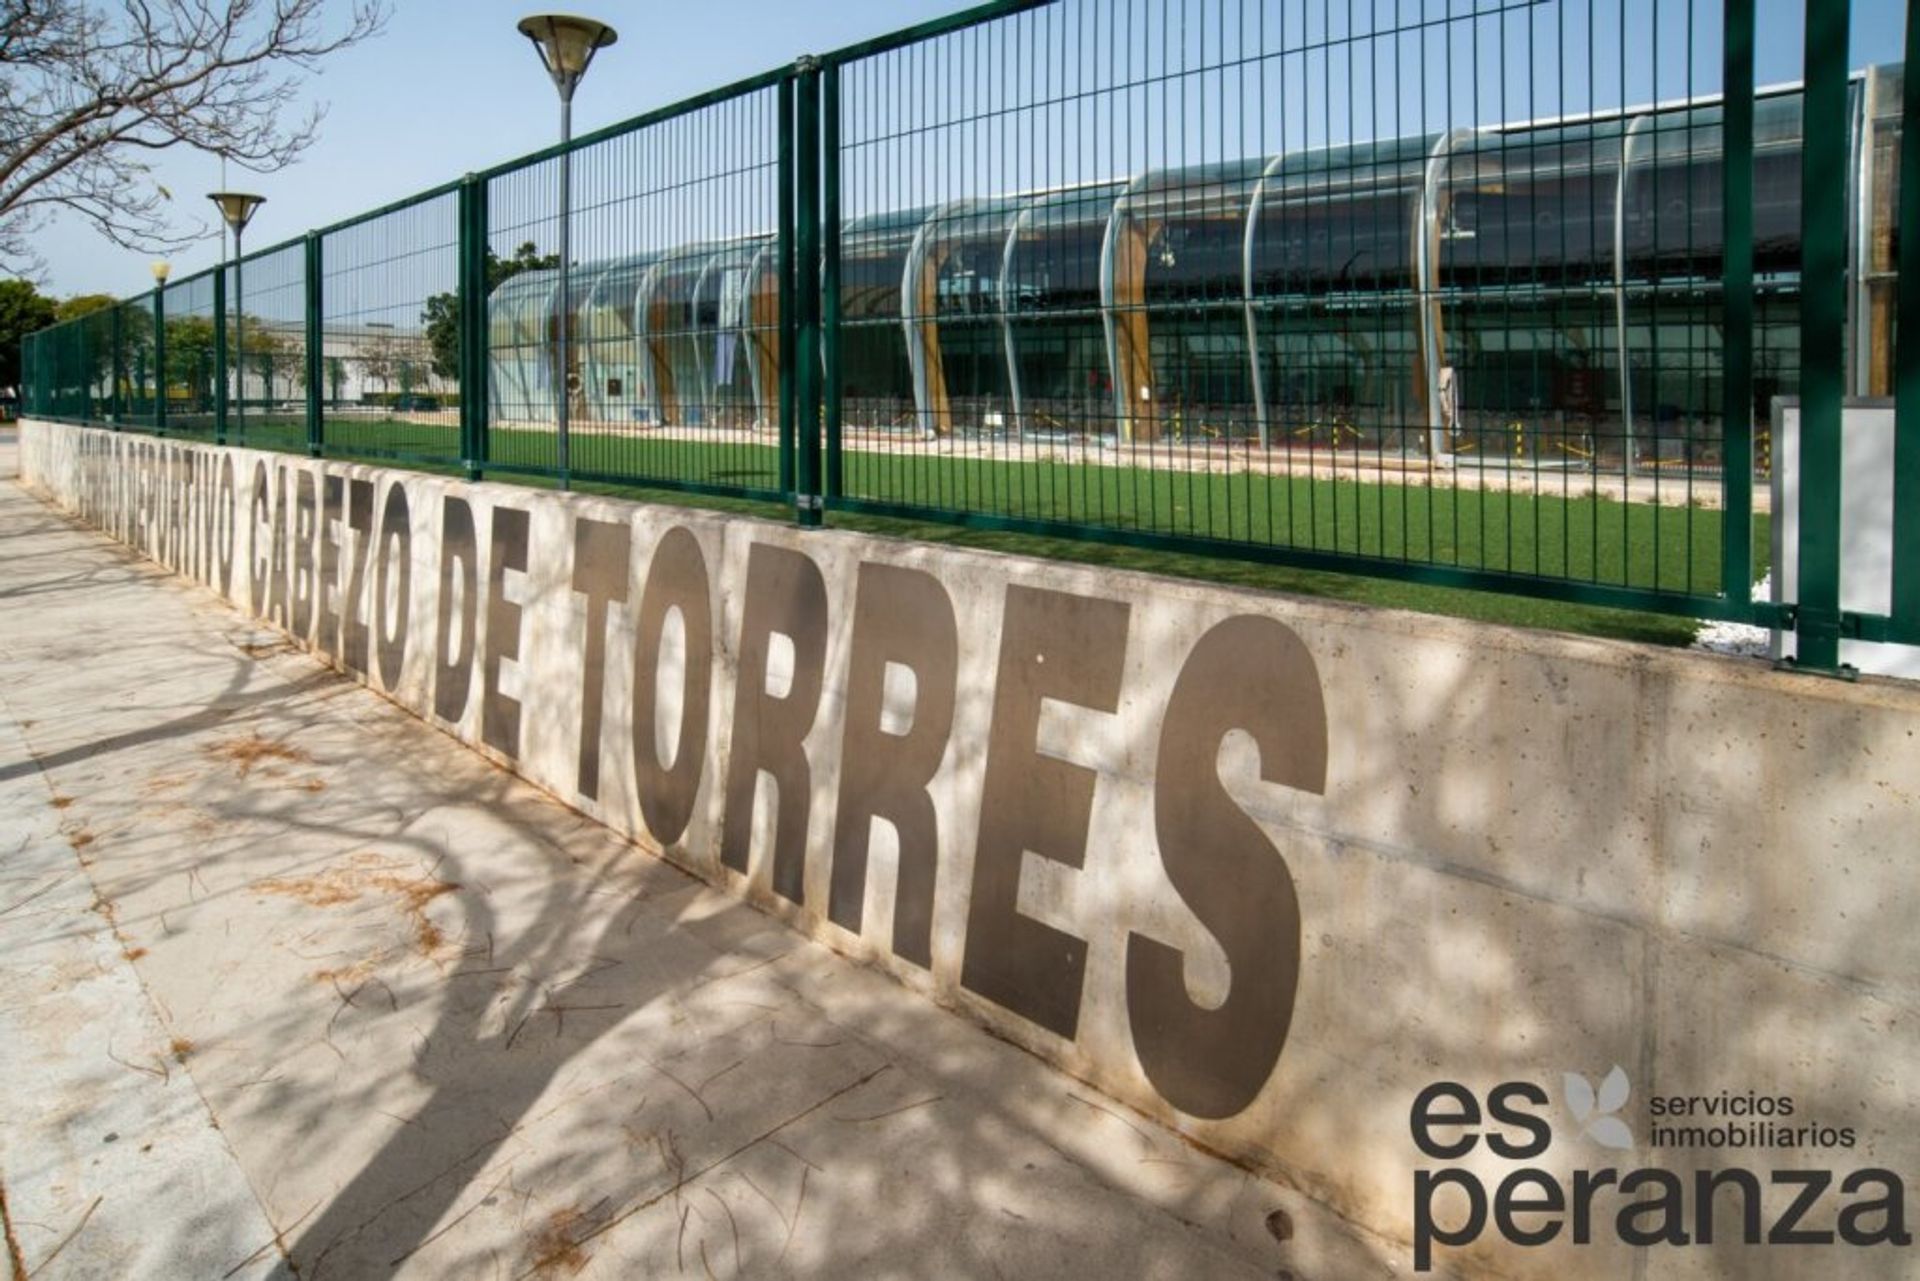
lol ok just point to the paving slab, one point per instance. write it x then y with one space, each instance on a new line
292 983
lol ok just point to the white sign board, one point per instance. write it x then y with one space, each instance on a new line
1866 526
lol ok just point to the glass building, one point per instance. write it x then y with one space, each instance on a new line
687 337
1550 289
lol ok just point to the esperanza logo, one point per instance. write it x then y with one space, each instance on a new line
1639 1205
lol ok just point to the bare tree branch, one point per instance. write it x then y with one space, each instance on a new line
90 88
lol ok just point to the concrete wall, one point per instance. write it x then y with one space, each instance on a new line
1266 869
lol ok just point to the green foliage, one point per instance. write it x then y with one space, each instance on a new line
442 314
271 354
83 305
442 318
526 258
190 357
23 309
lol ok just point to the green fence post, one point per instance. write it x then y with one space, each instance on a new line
474 406
160 359
316 343
84 370
830 285
99 408
116 402
1736 413
1906 414
1823 283
220 355
789 330
806 249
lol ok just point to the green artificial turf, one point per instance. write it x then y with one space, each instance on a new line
1554 531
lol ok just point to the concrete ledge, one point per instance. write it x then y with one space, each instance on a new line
295 981
1263 868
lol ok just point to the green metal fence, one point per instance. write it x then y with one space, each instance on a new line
1489 293
671 270
391 377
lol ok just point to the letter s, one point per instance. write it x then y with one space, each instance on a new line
1500 1108
1249 673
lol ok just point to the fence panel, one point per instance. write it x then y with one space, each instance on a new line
136 374
94 365
1427 288
667 316
192 370
267 348
390 334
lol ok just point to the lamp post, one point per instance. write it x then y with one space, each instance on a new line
566 46
161 270
237 208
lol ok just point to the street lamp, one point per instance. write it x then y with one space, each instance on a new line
161 270
237 208
566 46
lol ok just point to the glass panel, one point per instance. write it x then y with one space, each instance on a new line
1063 379
876 377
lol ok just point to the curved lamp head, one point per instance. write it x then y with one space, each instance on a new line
161 270
566 46
236 207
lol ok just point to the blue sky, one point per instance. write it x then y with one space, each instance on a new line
451 87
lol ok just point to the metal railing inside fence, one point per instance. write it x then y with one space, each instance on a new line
1495 293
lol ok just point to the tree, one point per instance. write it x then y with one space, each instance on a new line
89 90
23 309
82 305
442 316
381 352
190 358
267 351
93 361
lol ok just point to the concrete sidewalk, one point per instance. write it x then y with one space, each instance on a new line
290 980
